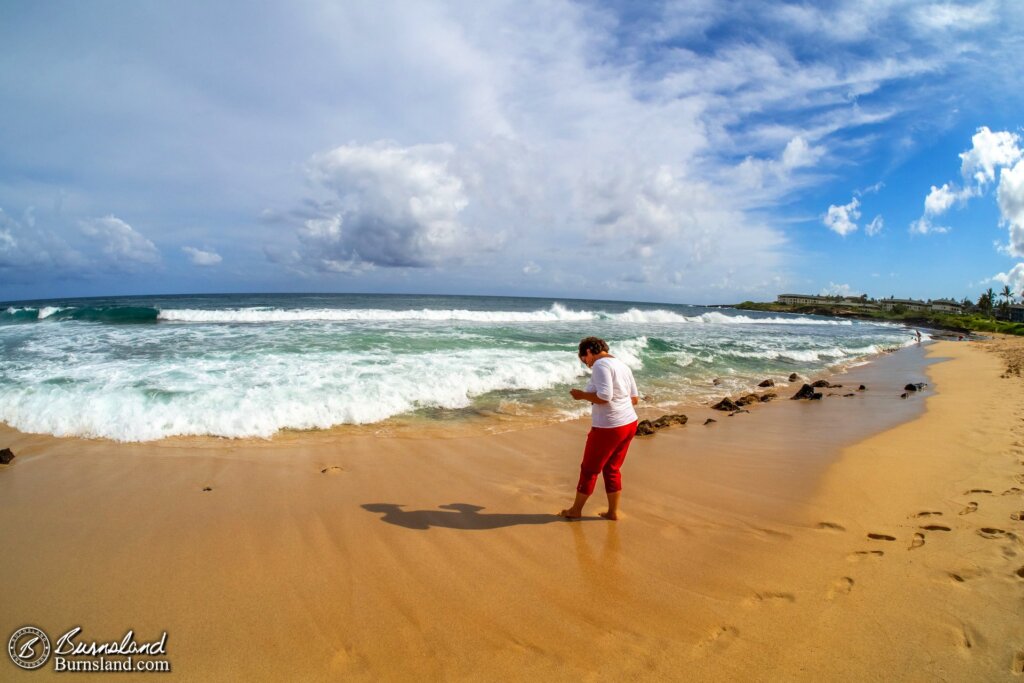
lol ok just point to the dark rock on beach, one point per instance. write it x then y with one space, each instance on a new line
6 456
725 404
669 420
918 386
710 420
821 383
806 392
747 400
862 388
645 428
716 381
767 383
794 377
768 396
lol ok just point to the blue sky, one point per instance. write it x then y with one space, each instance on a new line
700 152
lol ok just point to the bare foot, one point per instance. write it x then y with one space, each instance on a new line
571 514
609 515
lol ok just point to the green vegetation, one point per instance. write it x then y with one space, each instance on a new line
974 322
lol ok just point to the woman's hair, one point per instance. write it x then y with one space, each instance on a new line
593 344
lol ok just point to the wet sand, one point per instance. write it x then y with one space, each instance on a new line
743 553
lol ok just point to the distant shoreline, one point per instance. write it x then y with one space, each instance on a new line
962 324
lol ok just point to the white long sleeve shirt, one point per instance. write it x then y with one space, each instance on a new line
612 380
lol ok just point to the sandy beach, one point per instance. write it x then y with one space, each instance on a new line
869 537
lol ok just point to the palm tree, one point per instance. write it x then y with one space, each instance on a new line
1004 307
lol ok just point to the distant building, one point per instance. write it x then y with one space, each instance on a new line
946 306
1016 313
908 304
804 300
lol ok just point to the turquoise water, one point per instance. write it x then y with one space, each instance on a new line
144 368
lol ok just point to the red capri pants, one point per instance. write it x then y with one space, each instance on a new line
605 450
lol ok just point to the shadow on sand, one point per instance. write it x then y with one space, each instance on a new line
454 516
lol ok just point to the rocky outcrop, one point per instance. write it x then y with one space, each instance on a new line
767 383
917 386
768 396
6 456
726 404
747 400
648 427
645 428
669 420
794 377
807 392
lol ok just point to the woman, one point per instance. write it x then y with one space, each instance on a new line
613 393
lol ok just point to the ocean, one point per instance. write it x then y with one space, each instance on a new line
146 368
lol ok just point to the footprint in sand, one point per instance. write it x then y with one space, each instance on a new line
965 637
717 640
860 555
1012 491
770 598
1018 662
881 537
928 513
935 527
991 532
206 488
841 586
1017 516
971 507
831 526
917 541
1020 573
333 469
969 492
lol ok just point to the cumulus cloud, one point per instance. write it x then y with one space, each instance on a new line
834 289
842 219
979 166
939 199
201 257
387 206
989 151
26 248
1010 196
874 227
120 242
1014 278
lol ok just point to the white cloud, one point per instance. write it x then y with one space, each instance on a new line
1010 196
834 289
874 227
945 16
531 268
924 226
842 219
387 206
940 199
1014 278
200 257
988 152
119 241
798 154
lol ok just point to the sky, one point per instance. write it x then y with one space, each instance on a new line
706 151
